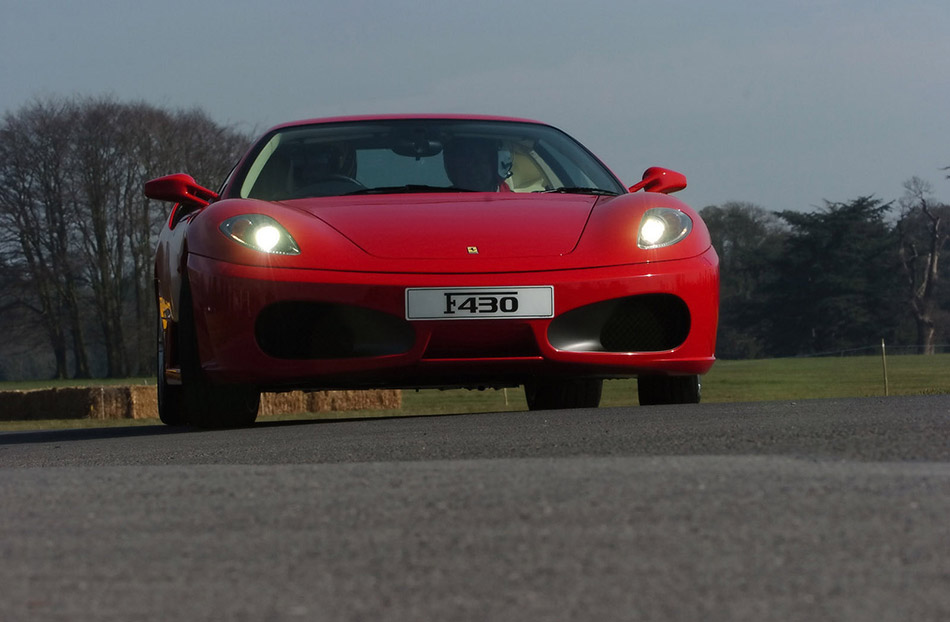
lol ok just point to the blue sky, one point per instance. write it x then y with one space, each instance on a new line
783 104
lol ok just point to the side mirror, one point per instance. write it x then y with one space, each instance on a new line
179 188
662 180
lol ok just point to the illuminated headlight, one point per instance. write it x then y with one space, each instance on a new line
261 233
663 226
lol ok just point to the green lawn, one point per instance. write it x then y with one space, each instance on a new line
729 381
804 378
742 381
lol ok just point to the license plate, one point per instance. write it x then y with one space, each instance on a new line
466 303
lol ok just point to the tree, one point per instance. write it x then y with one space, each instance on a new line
99 156
164 143
35 147
837 285
923 233
80 231
749 240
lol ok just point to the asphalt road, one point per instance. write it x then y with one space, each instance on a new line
815 510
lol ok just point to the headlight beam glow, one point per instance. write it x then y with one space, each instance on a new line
260 232
663 226
267 237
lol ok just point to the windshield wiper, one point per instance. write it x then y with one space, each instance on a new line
407 189
579 190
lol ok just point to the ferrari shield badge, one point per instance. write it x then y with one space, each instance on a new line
472 250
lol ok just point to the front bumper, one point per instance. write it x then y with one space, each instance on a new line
281 328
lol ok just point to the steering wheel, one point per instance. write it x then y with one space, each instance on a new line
331 185
341 177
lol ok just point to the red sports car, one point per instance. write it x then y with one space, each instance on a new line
435 251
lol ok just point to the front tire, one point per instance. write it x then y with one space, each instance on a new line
656 390
559 394
208 405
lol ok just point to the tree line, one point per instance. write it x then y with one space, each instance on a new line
77 236
839 278
77 239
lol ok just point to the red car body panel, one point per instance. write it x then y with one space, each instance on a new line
234 296
461 221
363 252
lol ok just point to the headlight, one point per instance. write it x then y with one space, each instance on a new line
663 226
261 233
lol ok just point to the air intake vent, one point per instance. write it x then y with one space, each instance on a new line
312 330
645 323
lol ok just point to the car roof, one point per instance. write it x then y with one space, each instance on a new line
393 117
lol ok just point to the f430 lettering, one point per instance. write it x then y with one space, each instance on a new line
479 303
475 303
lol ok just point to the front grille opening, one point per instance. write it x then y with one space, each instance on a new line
645 323
314 330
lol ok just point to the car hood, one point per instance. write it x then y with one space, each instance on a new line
491 225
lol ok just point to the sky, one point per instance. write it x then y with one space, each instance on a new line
785 104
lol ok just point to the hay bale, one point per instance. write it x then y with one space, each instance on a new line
66 403
327 401
143 401
14 406
281 403
140 402
108 403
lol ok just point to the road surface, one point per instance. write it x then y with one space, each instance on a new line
809 510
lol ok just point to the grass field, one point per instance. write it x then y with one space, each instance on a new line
729 381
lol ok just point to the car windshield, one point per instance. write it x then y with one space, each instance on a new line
413 155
